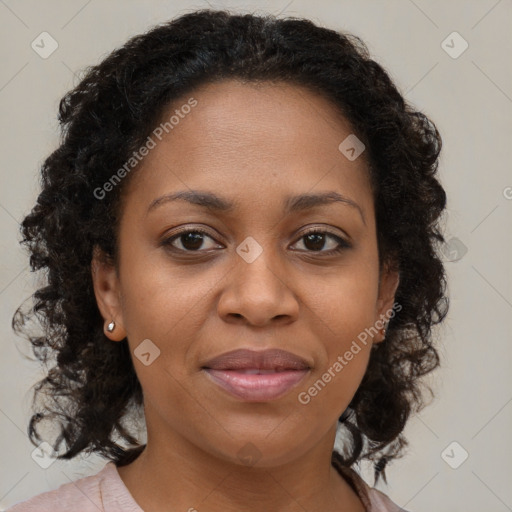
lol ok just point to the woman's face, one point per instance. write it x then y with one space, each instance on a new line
254 279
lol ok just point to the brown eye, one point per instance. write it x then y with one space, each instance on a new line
316 241
191 240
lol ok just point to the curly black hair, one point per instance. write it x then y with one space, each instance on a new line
91 387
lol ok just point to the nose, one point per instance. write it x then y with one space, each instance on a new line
258 293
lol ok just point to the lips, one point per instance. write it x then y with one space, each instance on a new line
272 360
257 376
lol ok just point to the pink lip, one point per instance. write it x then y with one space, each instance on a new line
256 387
257 376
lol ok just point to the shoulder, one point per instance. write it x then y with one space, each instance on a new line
83 494
104 491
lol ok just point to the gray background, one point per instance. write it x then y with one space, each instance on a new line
469 98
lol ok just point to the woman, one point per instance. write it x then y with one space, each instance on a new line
240 230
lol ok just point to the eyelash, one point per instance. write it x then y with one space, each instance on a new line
343 244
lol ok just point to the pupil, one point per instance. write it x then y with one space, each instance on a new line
194 237
318 241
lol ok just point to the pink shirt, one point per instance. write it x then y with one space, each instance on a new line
105 491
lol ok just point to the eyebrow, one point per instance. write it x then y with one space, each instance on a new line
292 204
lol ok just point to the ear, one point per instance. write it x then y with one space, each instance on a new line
107 291
388 284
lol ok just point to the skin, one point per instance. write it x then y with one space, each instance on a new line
254 144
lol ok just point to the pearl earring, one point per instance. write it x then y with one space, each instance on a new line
111 326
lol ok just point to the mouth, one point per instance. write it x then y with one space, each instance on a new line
257 376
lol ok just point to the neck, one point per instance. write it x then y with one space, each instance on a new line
175 475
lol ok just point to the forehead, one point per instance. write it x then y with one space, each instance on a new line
258 116
259 137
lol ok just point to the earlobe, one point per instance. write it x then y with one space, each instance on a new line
107 293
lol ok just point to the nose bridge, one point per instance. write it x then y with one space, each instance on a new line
257 285
259 267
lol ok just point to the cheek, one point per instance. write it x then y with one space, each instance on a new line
344 303
330 392
159 301
344 354
343 313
